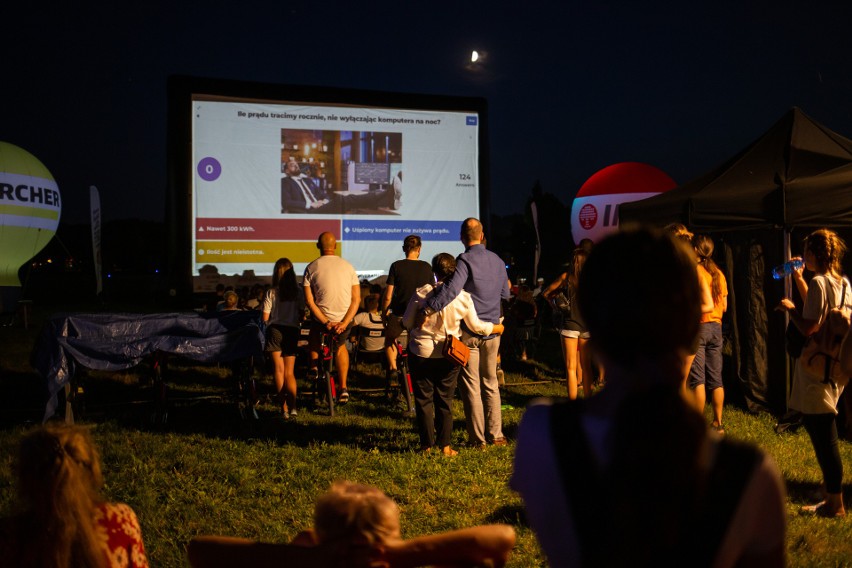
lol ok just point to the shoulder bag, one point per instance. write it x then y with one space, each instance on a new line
454 349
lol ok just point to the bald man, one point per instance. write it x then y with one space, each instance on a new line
332 294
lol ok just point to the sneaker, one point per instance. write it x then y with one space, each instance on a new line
285 415
343 398
294 413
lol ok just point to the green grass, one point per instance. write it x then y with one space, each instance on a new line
206 471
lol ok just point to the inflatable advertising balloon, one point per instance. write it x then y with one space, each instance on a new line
29 210
594 213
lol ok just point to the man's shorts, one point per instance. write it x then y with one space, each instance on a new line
317 327
283 338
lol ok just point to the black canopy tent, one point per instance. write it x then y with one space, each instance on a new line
795 177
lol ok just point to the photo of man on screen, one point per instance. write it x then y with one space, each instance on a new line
345 172
302 194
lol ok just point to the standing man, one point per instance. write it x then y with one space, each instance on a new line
332 293
404 278
483 274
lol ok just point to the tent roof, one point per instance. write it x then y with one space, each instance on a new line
799 173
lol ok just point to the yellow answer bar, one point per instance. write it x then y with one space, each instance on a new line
215 252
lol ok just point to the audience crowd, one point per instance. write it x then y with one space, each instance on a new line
635 459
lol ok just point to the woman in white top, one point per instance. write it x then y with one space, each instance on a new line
434 377
812 394
283 310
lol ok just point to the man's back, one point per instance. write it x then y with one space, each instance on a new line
483 274
331 279
406 276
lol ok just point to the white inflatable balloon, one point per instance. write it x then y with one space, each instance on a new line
30 207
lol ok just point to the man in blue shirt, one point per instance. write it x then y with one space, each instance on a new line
483 274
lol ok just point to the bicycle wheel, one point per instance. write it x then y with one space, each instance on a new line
328 385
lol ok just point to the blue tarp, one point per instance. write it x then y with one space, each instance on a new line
111 342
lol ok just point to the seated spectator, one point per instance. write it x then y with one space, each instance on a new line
368 326
221 304
636 460
255 298
358 525
62 521
231 302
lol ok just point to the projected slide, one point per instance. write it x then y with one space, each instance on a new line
268 178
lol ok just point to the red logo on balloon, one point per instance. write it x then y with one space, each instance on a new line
588 216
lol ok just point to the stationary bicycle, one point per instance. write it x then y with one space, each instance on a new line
403 391
325 375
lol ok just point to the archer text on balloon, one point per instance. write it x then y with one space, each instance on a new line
29 194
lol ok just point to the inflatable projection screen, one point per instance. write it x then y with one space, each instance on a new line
258 171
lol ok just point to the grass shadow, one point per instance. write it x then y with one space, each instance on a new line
513 515
808 493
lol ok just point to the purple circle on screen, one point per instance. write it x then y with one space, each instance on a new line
209 169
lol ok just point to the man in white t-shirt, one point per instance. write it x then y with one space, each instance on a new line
332 293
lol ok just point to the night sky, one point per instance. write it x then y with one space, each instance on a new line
571 86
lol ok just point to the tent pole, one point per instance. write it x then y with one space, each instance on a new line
788 293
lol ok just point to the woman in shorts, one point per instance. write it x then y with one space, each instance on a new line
572 330
283 310
705 374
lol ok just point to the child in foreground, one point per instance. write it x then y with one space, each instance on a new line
358 525
62 521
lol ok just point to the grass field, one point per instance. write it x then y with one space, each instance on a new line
207 471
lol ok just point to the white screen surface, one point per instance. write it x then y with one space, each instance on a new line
386 173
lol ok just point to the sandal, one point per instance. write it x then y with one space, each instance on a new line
718 428
823 509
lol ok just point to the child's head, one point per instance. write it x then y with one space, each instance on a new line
371 302
57 465
352 510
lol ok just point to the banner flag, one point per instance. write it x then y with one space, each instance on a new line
95 202
534 211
